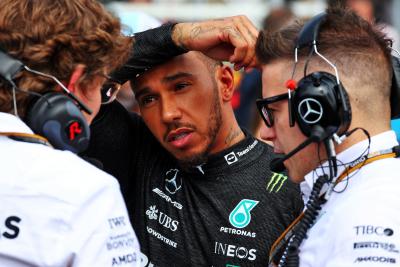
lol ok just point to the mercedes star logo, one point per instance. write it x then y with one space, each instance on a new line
173 182
310 110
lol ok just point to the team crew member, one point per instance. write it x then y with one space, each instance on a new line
359 222
57 210
200 191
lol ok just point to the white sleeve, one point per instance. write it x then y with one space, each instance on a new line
102 234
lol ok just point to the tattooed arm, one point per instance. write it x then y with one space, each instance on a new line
230 39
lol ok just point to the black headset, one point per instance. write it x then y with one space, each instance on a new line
319 100
55 116
323 94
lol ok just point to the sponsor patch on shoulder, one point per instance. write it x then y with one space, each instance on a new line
276 182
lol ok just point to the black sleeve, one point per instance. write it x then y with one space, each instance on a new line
112 142
124 145
150 48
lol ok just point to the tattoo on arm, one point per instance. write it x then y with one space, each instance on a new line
196 31
179 37
232 31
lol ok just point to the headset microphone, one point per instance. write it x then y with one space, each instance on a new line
318 134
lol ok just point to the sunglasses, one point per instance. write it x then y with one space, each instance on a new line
109 90
266 112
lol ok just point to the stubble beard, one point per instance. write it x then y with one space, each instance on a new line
215 119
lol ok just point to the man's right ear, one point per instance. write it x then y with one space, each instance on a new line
75 77
226 80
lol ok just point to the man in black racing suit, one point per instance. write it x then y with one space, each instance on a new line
219 207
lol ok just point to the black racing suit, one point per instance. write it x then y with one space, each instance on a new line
226 212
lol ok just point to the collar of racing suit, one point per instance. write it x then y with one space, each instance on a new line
230 159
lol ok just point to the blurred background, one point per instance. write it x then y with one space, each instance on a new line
140 15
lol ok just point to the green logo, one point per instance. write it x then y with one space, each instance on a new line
240 217
230 265
276 182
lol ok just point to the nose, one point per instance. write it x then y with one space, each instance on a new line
266 133
170 110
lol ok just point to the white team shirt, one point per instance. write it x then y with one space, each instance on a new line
58 210
360 224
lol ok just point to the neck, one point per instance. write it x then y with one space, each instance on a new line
229 135
234 135
359 136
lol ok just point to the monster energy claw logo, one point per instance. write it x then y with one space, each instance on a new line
240 217
276 182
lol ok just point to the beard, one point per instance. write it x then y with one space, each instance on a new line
215 119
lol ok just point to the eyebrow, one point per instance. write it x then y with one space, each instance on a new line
144 90
166 79
176 76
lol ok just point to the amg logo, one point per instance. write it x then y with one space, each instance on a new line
235 251
167 198
375 259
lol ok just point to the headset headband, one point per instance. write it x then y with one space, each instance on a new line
309 33
9 66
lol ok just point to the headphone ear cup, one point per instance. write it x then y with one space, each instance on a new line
346 111
317 102
56 117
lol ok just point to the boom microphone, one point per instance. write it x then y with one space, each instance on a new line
317 135
276 164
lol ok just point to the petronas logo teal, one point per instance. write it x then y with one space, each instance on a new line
240 217
276 182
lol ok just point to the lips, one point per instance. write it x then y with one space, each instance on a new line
179 138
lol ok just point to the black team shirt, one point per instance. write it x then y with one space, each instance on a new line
226 212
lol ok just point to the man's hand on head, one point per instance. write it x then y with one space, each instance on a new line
229 39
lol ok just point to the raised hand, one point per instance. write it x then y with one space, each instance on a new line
230 39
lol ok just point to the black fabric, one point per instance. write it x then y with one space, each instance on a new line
191 226
395 89
151 47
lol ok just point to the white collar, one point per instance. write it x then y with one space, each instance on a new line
11 123
385 140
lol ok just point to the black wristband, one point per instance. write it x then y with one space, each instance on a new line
151 48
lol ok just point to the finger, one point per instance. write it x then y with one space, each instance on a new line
250 48
249 33
230 34
252 30
254 64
